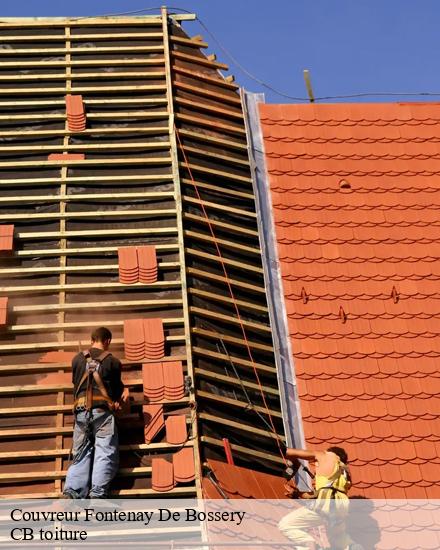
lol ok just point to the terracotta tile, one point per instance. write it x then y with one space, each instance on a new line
176 429
402 379
3 310
184 468
57 357
162 475
154 421
128 265
209 489
173 379
6 238
66 156
153 381
134 340
75 112
154 338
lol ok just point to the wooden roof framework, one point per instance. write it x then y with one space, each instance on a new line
166 164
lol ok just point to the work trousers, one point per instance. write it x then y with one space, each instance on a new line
95 455
295 526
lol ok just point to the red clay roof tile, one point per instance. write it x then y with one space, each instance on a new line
162 475
176 430
153 382
128 265
66 156
348 248
183 463
3 310
75 112
154 421
238 482
6 238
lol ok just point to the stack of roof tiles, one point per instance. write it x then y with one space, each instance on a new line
147 262
137 264
128 265
6 238
144 339
356 199
163 381
76 117
166 474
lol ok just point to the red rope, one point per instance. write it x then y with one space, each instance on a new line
231 292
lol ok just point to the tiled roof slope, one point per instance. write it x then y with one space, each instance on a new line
356 201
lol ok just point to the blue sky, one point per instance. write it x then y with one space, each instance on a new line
350 46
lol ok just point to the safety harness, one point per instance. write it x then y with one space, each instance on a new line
91 374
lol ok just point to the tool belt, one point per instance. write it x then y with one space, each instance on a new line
98 403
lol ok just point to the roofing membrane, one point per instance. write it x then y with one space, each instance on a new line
355 195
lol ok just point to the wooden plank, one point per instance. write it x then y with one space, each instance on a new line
223 225
227 299
208 107
198 60
107 115
27 368
225 261
91 215
229 319
244 450
179 491
29 199
204 77
99 21
241 427
61 103
230 244
113 131
188 41
235 381
88 305
232 359
85 147
221 190
197 90
178 198
84 76
217 157
83 62
96 250
102 287
53 327
237 403
53 409
222 207
216 173
84 89
154 179
86 162
39 37
99 232
50 453
226 338
208 138
12 477
218 278
209 123
74 50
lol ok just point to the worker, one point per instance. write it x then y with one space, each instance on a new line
329 503
98 388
